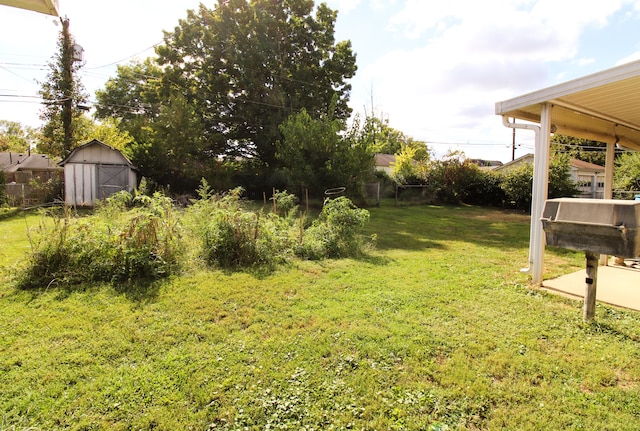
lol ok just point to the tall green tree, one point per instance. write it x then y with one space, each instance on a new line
239 71
134 97
247 65
15 136
384 139
63 98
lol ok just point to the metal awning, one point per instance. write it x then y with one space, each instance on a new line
49 7
603 107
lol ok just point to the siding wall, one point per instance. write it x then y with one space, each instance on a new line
79 184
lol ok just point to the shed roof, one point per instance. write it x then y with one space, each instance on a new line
602 106
75 155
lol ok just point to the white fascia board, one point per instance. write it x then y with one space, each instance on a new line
609 76
49 7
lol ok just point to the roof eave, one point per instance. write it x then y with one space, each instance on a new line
609 76
48 7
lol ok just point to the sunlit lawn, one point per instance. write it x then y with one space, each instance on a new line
435 329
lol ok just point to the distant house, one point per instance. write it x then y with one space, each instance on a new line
486 164
22 170
588 177
95 171
384 163
506 167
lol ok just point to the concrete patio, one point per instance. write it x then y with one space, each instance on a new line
617 285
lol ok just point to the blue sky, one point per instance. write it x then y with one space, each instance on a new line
433 69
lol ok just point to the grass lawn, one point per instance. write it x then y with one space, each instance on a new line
435 329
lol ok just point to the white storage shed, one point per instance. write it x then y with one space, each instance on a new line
95 171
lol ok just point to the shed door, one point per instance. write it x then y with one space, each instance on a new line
111 179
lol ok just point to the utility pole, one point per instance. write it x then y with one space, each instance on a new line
62 92
66 85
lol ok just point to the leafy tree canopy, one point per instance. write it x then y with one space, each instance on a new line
133 96
248 65
384 139
16 137
225 79
627 172
106 131
316 154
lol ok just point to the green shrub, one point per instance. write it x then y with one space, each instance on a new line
3 194
517 186
110 246
47 191
455 179
232 236
484 189
560 182
140 238
336 232
518 183
230 239
286 204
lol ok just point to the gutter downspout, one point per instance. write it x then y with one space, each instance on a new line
532 229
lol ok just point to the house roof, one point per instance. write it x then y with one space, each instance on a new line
384 160
482 163
580 165
13 162
527 158
602 106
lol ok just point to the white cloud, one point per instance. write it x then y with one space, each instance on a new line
633 57
585 61
463 56
343 6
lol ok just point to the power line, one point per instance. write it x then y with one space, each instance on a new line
124 59
15 74
20 95
2 63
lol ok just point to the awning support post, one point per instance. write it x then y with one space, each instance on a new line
540 189
539 194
